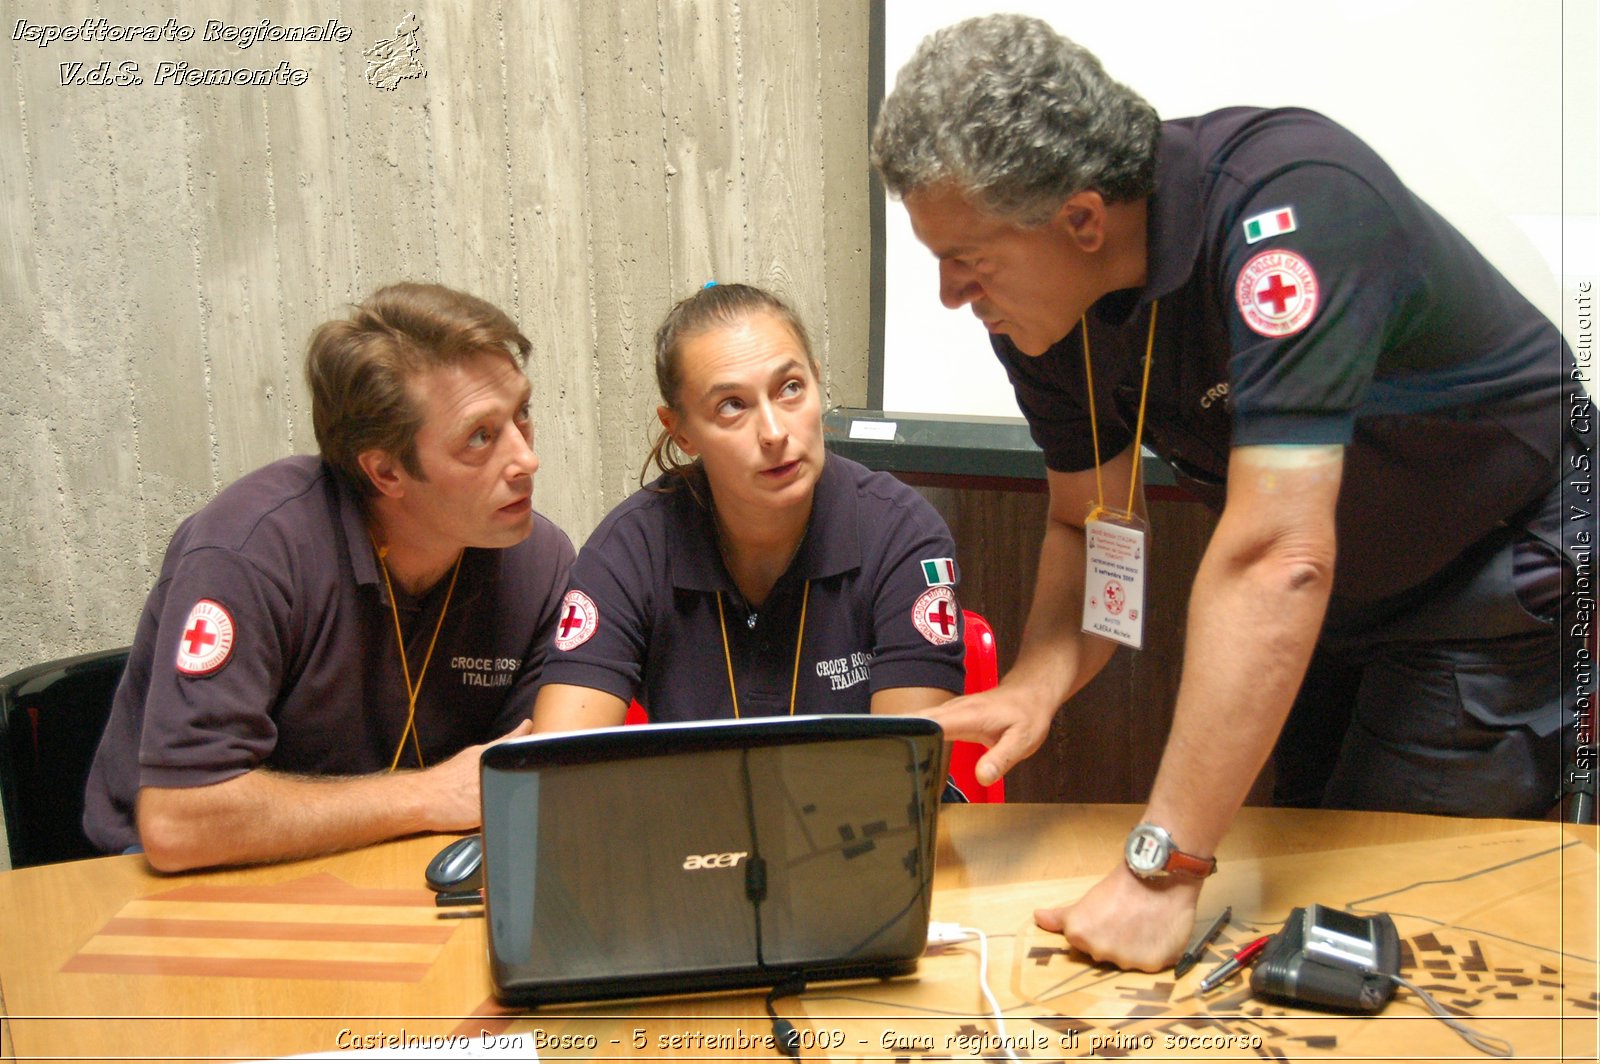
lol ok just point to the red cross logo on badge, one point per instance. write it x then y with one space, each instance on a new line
1116 598
206 641
578 621
1277 293
936 615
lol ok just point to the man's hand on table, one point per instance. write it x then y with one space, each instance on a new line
1129 922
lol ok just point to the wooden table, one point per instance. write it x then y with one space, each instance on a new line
104 959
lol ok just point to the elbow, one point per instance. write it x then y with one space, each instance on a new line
171 839
1308 575
1302 571
1283 567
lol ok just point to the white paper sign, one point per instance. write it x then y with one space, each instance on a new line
873 430
1113 586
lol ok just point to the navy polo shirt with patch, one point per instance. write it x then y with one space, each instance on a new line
268 641
641 620
1305 296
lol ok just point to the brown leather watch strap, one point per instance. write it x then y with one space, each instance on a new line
1187 864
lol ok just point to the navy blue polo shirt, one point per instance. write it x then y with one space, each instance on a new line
1306 296
268 641
641 620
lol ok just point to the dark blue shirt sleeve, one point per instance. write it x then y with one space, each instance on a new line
614 571
1347 272
205 729
902 655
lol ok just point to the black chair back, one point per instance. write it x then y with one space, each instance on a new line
51 718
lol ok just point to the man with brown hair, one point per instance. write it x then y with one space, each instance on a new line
331 640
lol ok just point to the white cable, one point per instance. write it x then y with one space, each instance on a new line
941 934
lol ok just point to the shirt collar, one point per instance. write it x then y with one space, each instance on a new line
358 541
1173 226
832 543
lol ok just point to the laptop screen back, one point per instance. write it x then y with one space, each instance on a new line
673 858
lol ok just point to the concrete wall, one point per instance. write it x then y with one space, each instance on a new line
165 249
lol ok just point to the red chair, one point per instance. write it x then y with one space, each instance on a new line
983 672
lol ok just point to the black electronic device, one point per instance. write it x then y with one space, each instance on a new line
1330 959
672 858
457 867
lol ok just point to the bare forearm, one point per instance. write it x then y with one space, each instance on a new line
1056 657
265 816
1239 681
1252 628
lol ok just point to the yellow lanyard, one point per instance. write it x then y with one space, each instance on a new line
410 731
1138 432
727 654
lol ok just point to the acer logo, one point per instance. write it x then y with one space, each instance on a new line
697 861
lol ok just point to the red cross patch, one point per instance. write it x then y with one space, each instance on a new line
937 616
1277 293
206 642
577 621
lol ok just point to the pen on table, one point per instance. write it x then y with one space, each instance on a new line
1192 955
1245 955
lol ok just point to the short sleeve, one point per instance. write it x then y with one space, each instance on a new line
600 631
1310 308
917 623
218 665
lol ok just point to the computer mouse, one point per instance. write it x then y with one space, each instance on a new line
459 866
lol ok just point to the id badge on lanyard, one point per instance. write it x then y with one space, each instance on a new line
1116 559
1114 577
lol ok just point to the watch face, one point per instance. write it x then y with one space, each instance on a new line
1148 849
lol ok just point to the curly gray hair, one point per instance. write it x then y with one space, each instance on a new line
1016 117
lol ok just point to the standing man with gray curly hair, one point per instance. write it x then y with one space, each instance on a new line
1256 296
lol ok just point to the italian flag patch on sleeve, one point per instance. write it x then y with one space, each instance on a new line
939 571
1273 223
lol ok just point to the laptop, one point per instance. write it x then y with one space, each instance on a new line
673 858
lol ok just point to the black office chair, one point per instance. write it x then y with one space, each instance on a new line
51 717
